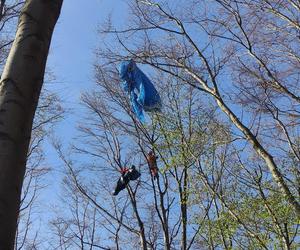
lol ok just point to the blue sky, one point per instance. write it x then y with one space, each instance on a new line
71 61
74 40
71 56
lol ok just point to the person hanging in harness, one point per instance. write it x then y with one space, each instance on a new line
127 174
151 159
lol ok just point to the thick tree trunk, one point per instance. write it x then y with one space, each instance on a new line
20 87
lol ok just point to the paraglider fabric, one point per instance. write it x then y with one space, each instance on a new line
143 95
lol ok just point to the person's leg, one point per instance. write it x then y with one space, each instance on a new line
120 186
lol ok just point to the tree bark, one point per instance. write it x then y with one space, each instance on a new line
143 240
264 155
20 87
183 208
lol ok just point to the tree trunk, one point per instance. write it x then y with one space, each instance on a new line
183 207
143 241
263 153
20 87
2 2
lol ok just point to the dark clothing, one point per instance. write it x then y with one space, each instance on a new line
133 173
130 174
121 184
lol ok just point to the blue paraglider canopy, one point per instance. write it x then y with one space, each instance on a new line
143 95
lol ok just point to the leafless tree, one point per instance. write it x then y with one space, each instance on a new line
243 55
21 83
157 213
230 51
49 112
9 12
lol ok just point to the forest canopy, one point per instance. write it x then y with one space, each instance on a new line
225 147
